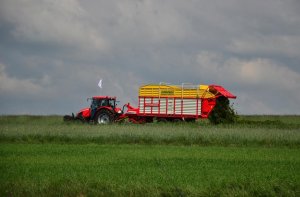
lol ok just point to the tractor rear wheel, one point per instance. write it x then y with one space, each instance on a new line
104 117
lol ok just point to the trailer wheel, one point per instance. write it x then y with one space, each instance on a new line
149 120
163 120
190 120
177 120
103 117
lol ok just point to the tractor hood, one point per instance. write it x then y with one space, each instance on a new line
86 112
219 90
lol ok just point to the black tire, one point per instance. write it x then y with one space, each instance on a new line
177 120
149 120
163 120
190 120
104 117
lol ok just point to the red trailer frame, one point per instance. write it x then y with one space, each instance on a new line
176 108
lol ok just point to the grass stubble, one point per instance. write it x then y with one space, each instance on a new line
42 156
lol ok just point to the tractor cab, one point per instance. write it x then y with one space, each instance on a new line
104 109
103 101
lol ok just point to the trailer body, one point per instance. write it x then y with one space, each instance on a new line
167 102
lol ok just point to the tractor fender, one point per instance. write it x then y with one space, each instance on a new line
105 108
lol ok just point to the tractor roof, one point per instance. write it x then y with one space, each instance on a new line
104 97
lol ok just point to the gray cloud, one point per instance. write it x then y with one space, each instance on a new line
53 53
59 23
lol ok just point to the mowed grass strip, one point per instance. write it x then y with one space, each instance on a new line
249 131
143 170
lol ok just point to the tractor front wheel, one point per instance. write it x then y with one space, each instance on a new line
104 117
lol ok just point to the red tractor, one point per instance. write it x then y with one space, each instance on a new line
103 110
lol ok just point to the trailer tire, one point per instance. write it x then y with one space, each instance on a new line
104 117
149 120
190 120
163 120
177 120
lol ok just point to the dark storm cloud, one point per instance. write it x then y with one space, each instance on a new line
53 53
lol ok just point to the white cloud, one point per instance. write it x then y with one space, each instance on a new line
261 82
256 71
254 105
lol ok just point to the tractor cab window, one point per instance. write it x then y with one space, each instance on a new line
104 102
95 103
112 103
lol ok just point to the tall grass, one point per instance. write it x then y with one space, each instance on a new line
247 132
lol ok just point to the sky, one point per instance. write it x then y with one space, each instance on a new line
54 52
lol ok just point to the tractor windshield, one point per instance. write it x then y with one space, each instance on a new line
95 103
103 102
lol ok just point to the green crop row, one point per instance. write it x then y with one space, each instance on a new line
143 170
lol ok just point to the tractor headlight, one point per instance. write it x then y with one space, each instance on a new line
119 112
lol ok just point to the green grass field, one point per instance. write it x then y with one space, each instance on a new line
43 156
